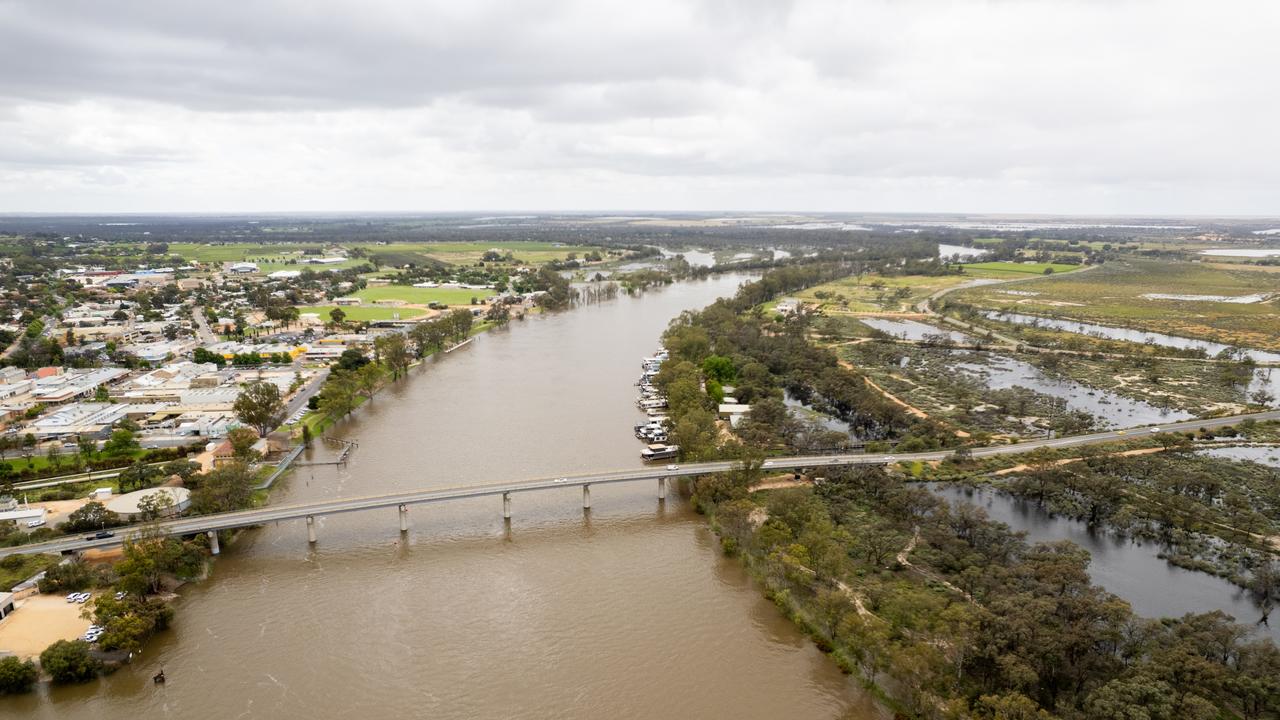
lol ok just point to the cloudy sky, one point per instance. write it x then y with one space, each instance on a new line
1038 106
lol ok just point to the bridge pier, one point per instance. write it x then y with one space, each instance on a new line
404 518
662 489
214 549
586 497
506 506
311 529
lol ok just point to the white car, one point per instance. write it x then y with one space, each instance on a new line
562 480
767 463
120 595
673 467
890 458
1155 430
35 523
72 597
83 598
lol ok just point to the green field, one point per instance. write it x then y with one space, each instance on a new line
422 296
1002 269
364 313
1112 294
277 255
468 253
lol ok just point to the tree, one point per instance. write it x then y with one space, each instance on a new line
100 394
261 406
367 379
156 505
121 442
242 440
86 446
352 359
227 488
337 315
338 398
68 661
91 516
17 676
28 444
394 352
498 314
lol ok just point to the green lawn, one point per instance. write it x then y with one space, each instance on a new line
422 296
364 313
999 269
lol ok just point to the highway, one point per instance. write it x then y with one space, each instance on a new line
651 473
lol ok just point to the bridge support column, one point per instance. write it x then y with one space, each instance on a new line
404 518
662 488
506 506
311 530
214 549
586 497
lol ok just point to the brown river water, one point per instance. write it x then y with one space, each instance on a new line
628 611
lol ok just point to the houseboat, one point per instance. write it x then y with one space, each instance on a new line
659 451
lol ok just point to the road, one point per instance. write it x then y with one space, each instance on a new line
202 326
247 518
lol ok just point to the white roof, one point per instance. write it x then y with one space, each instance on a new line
127 504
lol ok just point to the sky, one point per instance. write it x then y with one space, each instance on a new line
1102 107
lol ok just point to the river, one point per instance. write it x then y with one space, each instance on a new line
628 611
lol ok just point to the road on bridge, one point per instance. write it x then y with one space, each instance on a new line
248 518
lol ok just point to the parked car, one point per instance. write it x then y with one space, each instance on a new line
35 523
71 597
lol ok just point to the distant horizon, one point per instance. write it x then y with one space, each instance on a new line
622 213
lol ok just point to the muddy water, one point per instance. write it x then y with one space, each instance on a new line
1132 570
628 611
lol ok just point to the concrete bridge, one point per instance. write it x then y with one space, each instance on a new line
659 474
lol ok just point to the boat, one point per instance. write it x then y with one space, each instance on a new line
659 451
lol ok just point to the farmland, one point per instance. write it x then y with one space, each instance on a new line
1117 294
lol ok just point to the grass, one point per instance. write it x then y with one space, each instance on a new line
278 255
364 313
1113 295
422 296
24 567
999 269
468 253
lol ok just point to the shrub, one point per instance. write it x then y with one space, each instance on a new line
68 661
16 676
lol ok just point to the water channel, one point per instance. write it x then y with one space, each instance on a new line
1001 372
628 611
1128 568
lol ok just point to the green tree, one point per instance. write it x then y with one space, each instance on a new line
91 516
242 440
260 406
17 676
121 443
337 316
394 352
367 379
68 661
227 488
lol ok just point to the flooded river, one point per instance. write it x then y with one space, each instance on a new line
629 611
1130 569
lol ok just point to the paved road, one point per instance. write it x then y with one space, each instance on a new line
247 518
202 326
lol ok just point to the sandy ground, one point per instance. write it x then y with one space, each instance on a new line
38 622
58 510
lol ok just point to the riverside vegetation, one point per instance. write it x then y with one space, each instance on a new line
949 614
